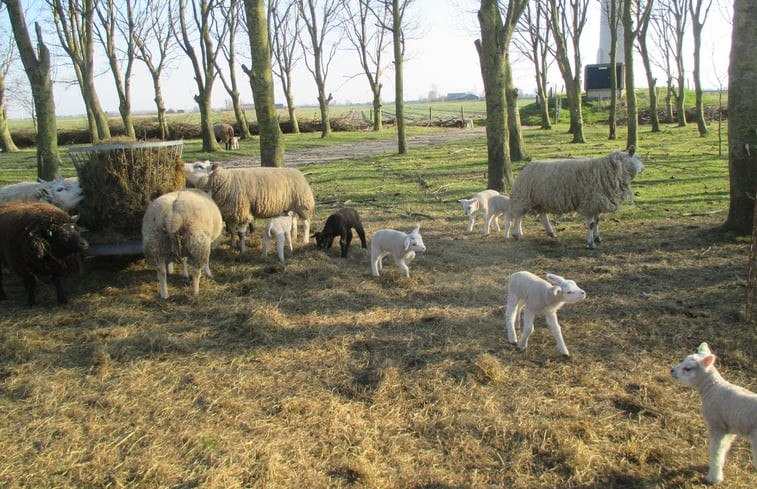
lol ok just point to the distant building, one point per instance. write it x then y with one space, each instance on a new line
461 97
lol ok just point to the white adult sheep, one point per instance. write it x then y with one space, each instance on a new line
224 133
280 229
246 193
534 295
180 226
402 247
471 206
64 193
196 174
588 186
498 205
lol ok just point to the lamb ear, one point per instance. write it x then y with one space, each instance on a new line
556 290
416 230
631 150
407 242
554 279
708 360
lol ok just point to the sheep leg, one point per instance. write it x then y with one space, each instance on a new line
471 221
557 333
361 234
376 264
591 227
280 246
507 226
511 318
597 238
344 242
289 241
30 283
196 272
719 443
162 281
242 236
487 223
547 225
528 328
403 262
184 270
59 292
2 290
517 231
266 242
305 231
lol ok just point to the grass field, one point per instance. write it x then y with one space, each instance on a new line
314 374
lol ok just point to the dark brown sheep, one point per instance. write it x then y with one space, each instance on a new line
225 133
35 240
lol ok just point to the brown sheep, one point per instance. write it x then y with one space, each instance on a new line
225 133
35 240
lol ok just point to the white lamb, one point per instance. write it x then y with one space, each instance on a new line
534 295
280 229
588 186
180 226
246 193
235 142
402 247
498 205
729 410
64 193
471 206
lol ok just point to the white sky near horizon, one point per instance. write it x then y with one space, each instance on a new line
440 57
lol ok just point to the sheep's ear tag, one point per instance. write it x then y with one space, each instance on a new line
50 233
704 348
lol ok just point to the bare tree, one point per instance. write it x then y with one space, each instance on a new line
568 19
699 10
611 14
532 38
233 15
116 27
363 29
285 30
37 67
74 22
155 44
206 23
261 79
663 35
674 12
645 20
6 59
321 18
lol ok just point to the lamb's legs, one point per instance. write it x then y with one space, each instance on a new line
266 242
511 319
528 328
719 443
403 262
471 221
280 246
557 333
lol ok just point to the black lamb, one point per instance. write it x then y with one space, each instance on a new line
340 224
35 240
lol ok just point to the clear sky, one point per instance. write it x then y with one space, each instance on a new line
440 57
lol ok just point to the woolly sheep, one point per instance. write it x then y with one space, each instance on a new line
588 186
340 224
729 410
180 226
480 201
534 295
261 192
280 229
498 205
35 240
63 193
224 133
400 245
196 174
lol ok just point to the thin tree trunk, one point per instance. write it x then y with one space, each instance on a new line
629 37
6 141
651 83
517 145
377 107
701 124
165 129
399 87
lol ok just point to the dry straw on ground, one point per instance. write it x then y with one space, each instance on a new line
314 374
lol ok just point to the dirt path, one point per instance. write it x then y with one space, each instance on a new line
302 157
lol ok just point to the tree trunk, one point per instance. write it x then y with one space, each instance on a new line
165 130
701 124
399 86
291 108
261 81
742 118
38 71
651 84
6 141
378 120
491 56
681 100
629 37
517 145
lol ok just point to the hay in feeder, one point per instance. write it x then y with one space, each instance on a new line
120 180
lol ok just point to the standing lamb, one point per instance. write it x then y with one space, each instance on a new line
224 133
180 226
538 296
280 228
235 143
498 205
401 246
588 186
729 410
63 193
340 224
246 193
480 201
35 240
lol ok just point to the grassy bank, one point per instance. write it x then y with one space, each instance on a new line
314 374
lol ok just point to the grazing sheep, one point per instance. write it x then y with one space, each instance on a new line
224 133
340 224
280 228
401 246
588 186
235 143
180 226
480 201
729 410
35 240
538 296
498 205
65 193
246 193
196 174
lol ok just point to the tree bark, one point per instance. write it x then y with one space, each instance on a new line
629 37
37 67
261 81
742 118
399 85
695 7
231 86
6 141
517 145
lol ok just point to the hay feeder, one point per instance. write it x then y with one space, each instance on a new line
119 180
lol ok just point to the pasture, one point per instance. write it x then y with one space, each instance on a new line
314 374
